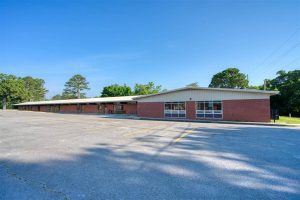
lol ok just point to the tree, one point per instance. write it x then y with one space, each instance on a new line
68 95
288 85
194 84
57 97
253 87
35 87
143 89
12 90
229 78
75 86
116 90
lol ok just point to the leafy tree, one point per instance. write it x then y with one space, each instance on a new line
194 84
75 86
116 90
254 87
35 87
229 78
288 85
143 89
12 90
57 97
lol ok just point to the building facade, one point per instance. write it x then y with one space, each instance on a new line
189 103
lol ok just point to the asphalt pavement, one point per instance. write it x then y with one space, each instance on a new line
69 156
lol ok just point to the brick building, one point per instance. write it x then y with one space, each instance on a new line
192 103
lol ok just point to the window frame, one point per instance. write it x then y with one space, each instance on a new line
177 112
210 113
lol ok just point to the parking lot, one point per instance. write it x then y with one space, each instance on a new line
68 156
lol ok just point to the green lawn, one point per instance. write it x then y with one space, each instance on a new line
292 120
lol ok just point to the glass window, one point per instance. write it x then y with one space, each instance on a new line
181 106
200 115
175 109
168 115
167 106
209 109
120 107
208 105
200 105
175 114
217 105
174 106
218 116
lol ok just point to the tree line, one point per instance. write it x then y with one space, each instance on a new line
287 83
76 86
18 89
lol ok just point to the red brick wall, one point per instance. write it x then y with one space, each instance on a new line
43 108
130 109
34 108
190 110
109 108
90 108
68 108
256 110
150 109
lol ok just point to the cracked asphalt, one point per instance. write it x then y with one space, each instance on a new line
68 156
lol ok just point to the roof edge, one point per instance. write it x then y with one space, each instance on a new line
270 92
83 100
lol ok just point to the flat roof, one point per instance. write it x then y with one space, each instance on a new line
210 88
86 100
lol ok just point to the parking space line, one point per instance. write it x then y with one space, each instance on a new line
186 133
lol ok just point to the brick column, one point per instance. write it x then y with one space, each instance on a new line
191 110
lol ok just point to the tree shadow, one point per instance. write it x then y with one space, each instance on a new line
209 163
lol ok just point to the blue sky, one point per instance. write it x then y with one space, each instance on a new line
172 43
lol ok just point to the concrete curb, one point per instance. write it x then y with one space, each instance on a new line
222 122
133 117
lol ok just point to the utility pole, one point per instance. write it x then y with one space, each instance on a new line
265 84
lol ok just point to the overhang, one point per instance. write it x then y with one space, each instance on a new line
79 101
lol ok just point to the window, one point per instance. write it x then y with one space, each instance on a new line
217 106
209 109
175 109
120 107
57 108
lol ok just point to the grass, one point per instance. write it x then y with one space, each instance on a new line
288 120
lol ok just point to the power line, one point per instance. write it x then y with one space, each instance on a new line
282 45
268 68
276 50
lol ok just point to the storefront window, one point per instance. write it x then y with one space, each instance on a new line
175 109
209 109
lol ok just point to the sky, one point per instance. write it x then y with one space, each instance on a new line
172 43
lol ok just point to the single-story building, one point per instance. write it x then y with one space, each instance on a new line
192 103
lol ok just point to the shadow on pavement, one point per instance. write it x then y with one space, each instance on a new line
209 163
